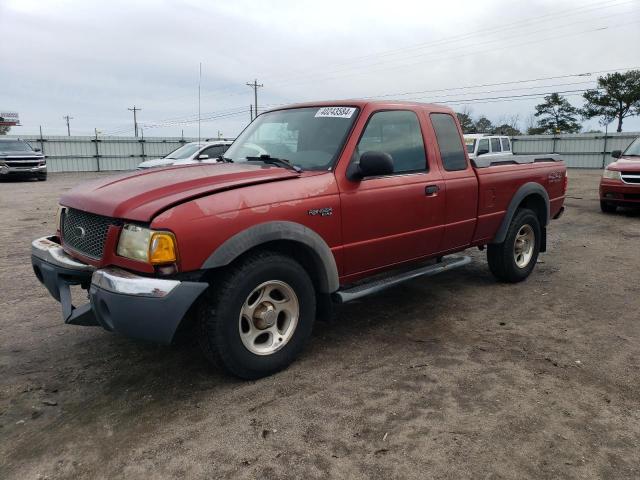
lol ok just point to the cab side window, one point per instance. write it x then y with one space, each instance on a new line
449 142
506 145
483 146
495 145
398 134
214 151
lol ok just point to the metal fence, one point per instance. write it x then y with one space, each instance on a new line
580 150
91 154
95 154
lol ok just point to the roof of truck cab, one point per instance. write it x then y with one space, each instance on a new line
361 103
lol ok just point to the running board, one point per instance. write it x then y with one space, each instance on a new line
448 263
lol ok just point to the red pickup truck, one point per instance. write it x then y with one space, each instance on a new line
313 204
620 183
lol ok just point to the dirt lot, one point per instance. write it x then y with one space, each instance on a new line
451 377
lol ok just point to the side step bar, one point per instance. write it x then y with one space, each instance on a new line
448 263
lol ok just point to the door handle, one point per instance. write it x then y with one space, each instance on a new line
430 190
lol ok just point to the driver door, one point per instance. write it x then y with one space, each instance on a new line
391 219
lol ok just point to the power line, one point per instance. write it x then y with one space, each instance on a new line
445 54
519 25
350 66
509 97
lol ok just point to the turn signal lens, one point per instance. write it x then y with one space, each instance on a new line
59 213
162 248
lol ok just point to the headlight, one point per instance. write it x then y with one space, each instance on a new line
612 174
59 213
146 245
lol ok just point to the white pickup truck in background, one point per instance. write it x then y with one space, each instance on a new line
482 144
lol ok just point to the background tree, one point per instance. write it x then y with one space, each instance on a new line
484 125
466 122
4 129
506 129
508 125
530 125
556 115
617 96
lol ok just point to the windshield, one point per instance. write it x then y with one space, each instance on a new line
185 151
14 146
470 144
634 148
310 138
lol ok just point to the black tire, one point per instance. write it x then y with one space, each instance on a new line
608 207
42 178
218 315
501 256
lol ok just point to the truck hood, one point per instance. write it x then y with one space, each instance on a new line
142 195
628 164
20 154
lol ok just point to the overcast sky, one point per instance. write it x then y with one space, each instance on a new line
94 59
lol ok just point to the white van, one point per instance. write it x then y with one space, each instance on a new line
481 144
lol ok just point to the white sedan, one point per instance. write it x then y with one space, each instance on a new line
190 153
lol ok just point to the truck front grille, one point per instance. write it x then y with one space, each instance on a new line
631 177
22 163
86 232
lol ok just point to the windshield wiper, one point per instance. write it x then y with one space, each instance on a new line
278 162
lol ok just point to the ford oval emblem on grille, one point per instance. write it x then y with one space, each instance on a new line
79 231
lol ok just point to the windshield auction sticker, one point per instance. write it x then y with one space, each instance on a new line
336 112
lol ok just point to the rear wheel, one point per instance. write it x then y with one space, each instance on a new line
608 207
514 259
256 320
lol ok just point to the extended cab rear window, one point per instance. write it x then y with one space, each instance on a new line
449 142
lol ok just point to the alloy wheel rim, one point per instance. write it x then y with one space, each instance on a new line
269 317
523 246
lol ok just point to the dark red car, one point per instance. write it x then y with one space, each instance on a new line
313 204
620 183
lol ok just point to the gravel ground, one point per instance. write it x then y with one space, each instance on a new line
455 376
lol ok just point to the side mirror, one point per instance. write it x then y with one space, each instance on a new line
616 153
203 156
372 164
37 150
484 151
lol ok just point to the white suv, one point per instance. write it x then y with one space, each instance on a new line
194 152
481 144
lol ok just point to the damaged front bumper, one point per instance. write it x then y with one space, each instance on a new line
120 301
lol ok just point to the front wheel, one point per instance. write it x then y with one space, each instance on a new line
608 207
257 318
514 259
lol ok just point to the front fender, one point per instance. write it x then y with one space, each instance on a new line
280 230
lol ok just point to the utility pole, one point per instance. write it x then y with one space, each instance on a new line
250 113
67 118
255 85
199 83
135 118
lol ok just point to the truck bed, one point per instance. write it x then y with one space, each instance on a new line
499 181
489 160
